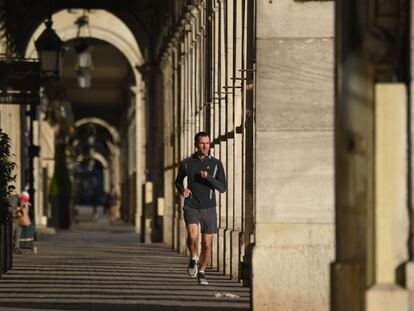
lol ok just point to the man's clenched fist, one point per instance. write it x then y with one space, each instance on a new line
186 193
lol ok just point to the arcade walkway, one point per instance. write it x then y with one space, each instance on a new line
95 266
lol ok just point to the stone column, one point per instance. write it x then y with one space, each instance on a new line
215 118
410 265
47 156
140 154
107 178
183 129
223 95
148 212
294 228
177 121
238 117
38 179
167 66
249 136
201 66
391 221
114 172
370 156
229 134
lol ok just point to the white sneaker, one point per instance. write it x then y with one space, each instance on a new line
193 267
202 279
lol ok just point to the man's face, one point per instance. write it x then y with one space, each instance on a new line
203 145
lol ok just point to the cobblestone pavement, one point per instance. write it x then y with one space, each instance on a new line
97 266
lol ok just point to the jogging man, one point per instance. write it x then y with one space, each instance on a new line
205 174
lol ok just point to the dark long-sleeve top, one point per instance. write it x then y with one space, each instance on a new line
202 190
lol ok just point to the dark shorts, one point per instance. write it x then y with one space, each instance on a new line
205 217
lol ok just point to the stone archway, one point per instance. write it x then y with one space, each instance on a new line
104 26
114 133
106 173
107 27
111 164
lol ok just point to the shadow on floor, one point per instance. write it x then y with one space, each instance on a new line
92 268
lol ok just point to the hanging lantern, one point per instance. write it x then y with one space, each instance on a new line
84 77
84 51
50 51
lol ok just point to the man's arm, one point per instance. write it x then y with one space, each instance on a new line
218 182
180 178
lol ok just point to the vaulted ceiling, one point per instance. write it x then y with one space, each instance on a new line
150 21
111 78
19 18
111 72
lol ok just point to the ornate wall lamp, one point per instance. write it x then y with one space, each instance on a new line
50 51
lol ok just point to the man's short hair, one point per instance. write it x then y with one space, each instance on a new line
200 134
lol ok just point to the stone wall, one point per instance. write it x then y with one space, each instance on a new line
44 165
294 153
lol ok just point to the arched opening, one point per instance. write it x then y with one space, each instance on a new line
112 106
93 120
89 181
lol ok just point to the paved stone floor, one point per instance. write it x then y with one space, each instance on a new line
97 266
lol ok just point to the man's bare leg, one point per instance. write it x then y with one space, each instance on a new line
205 254
204 257
192 239
192 244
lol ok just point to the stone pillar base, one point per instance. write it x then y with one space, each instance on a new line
176 226
227 252
246 266
235 254
409 281
168 230
221 250
346 286
386 297
214 252
290 267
